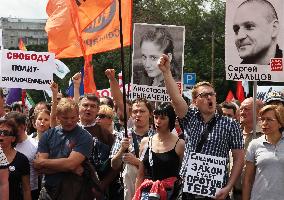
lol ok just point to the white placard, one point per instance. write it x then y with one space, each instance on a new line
262 91
150 41
151 93
1 39
27 69
204 175
254 40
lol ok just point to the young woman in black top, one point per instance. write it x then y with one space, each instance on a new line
162 153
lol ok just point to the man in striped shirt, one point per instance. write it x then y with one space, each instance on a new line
224 136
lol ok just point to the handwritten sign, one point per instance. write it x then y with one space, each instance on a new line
27 69
204 175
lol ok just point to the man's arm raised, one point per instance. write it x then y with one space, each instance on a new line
179 103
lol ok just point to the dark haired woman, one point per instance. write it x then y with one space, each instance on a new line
162 149
19 168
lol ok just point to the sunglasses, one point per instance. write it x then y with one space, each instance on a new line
102 116
6 133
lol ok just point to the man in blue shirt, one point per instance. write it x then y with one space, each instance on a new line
64 148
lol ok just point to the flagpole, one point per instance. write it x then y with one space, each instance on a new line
254 107
123 68
130 54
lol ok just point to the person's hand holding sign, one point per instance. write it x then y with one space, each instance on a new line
222 194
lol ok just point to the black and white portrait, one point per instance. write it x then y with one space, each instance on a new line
254 37
150 42
253 31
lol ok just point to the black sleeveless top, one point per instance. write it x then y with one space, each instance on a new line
165 164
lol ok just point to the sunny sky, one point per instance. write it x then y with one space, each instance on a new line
31 9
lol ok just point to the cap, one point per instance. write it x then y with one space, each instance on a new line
274 96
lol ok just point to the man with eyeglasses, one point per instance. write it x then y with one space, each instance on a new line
223 137
103 139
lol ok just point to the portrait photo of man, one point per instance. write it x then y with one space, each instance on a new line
254 31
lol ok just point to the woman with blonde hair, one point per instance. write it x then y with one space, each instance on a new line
264 171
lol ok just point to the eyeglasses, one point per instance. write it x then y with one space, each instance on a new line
6 133
206 94
102 116
267 119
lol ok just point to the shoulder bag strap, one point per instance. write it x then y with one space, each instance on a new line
135 143
204 135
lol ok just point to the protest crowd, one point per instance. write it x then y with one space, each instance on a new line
155 143
76 148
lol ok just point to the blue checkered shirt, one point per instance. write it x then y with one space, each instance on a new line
120 136
226 135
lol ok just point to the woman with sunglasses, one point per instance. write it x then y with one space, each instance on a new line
105 118
19 168
162 149
264 171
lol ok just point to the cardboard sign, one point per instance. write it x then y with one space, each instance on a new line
27 69
262 91
204 175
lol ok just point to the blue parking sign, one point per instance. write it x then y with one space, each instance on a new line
189 78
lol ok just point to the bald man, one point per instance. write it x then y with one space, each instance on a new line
256 28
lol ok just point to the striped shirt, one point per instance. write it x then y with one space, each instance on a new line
120 136
226 135
3 160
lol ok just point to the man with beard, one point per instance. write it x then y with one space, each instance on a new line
225 134
256 28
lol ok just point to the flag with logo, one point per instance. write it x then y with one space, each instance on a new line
67 19
101 35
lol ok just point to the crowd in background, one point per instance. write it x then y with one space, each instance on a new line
77 148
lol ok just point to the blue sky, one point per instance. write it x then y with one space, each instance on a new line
31 9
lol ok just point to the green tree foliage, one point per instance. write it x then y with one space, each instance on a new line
201 18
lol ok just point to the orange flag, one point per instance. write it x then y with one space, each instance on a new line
100 36
62 30
22 45
89 83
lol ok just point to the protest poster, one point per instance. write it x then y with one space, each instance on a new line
204 175
27 69
254 40
150 41
262 91
1 38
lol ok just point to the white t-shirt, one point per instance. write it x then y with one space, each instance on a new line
29 149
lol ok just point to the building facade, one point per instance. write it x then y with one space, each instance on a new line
30 30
